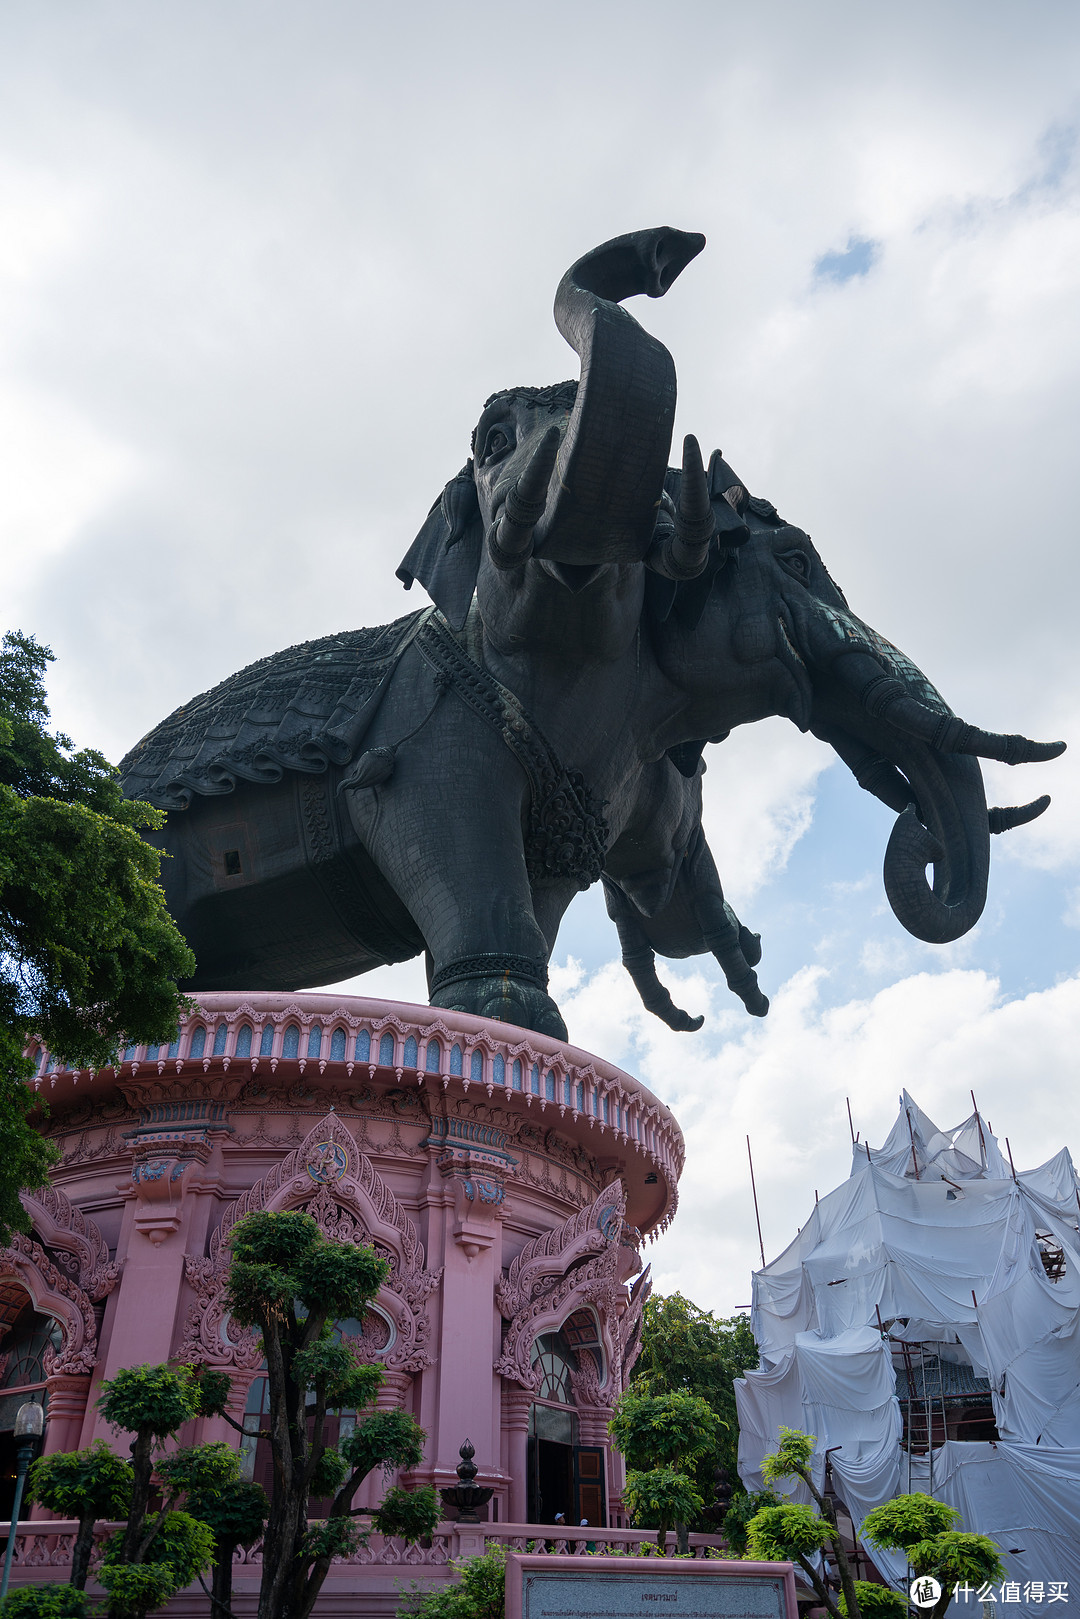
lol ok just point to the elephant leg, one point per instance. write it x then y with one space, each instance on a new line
445 830
737 950
639 959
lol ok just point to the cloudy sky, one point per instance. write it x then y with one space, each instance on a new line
260 265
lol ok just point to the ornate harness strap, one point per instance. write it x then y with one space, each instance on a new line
567 833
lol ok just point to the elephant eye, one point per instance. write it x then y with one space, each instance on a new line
496 445
797 563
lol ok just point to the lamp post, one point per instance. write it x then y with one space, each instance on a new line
29 1427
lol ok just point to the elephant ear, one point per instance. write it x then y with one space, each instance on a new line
445 555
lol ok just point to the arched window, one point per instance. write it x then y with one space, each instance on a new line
314 1041
363 1046
517 1074
290 1046
455 1058
174 1048
220 1038
337 1046
498 1069
409 1055
266 1040
386 1050
434 1057
476 1067
581 1096
243 1041
556 1360
534 1079
549 1086
25 1347
198 1041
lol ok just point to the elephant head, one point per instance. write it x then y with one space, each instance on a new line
573 473
790 644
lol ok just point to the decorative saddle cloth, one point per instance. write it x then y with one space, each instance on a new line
301 709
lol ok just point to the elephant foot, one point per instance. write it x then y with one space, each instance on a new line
508 989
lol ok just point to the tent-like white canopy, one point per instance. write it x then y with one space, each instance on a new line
933 1243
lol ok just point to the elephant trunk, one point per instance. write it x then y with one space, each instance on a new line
604 498
949 829
907 747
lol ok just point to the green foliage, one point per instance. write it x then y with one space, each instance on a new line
88 954
386 1439
924 1529
237 1513
690 1351
956 1556
875 1601
412 1514
279 1258
151 1399
898 1524
203 1470
662 1430
786 1531
480 1593
661 1497
135 1589
329 1474
71 1483
332 1364
214 1391
332 1537
44 1602
742 1509
792 1457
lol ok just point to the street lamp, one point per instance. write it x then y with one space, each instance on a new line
29 1427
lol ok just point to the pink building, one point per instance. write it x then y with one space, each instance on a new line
508 1179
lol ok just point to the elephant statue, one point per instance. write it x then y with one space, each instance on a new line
448 782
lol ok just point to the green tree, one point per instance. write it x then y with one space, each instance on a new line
153 1403
290 1282
792 1459
661 1436
478 1593
88 953
45 1602
85 1484
795 1532
181 1548
924 1530
207 1478
690 1351
876 1601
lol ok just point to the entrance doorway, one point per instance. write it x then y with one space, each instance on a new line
564 1477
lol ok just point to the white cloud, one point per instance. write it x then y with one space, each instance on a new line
784 1081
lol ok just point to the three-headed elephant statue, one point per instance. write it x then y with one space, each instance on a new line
448 782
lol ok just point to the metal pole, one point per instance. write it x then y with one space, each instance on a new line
757 1216
1012 1166
911 1133
22 1461
850 1125
978 1121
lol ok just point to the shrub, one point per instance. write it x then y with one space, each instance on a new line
45 1602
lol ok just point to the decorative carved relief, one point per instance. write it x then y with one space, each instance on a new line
328 1177
57 1295
586 1260
74 1239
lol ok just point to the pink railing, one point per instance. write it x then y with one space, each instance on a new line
46 1546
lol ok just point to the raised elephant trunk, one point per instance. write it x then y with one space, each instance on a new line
603 500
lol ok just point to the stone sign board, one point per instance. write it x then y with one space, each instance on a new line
576 1587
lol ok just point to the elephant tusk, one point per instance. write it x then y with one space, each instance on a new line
680 549
1003 820
885 697
510 540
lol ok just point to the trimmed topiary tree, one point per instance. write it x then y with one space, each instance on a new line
45 1602
85 1484
924 1530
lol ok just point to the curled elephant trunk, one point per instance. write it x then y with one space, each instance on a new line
610 473
922 761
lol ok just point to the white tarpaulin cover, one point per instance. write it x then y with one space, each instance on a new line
933 1242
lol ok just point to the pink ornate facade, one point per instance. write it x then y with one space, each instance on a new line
507 1178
